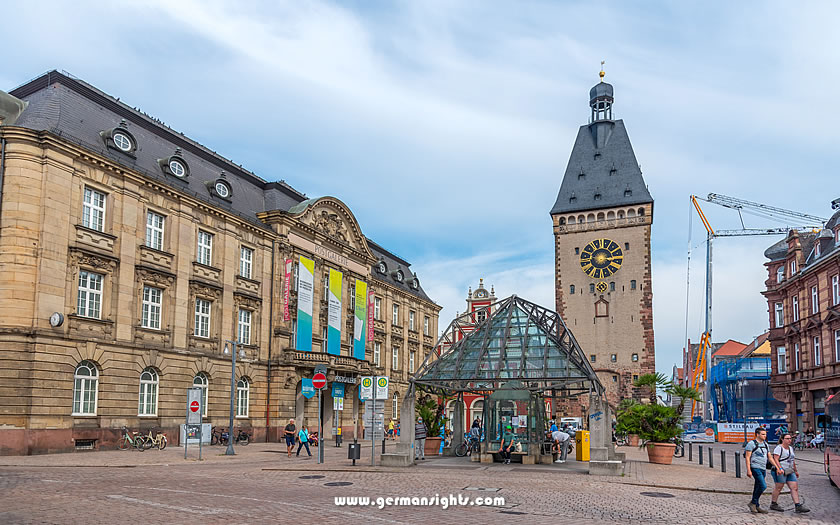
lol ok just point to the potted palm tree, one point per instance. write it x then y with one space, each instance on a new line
659 425
431 410
627 421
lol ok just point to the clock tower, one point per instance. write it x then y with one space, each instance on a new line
602 225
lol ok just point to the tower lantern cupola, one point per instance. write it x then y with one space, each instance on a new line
601 99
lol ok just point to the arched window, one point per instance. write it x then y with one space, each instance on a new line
621 214
590 217
395 404
610 215
641 212
243 397
148 393
581 219
477 411
562 221
202 381
85 387
631 213
571 219
601 216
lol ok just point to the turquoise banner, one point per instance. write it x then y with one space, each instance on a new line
306 281
306 387
360 320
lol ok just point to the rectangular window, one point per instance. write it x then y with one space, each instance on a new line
396 318
377 351
572 289
152 301
626 246
577 250
837 346
351 291
90 295
633 285
425 325
615 379
592 358
244 331
795 301
202 318
246 262
591 287
377 308
780 315
327 287
792 268
635 378
835 290
782 357
817 353
154 230
780 274
411 362
411 320
324 340
796 360
613 358
815 300
612 286
205 248
93 210
395 359
635 357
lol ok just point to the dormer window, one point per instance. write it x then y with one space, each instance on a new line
628 193
581 176
613 171
597 196
221 188
381 268
780 274
572 199
793 267
120 139
415 284
399 276
817 249
175 165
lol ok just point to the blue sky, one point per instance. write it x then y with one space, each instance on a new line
446 126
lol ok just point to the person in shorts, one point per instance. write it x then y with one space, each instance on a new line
289 434
784 471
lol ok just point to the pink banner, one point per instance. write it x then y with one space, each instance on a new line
370 317
287 284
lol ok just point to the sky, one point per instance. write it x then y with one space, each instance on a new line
446 126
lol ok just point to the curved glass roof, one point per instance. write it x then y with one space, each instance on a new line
518 340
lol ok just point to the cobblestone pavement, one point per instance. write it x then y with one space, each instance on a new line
262 485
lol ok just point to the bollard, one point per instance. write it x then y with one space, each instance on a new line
737 464
383 445
690 449
700 454
723 461
682 450
711 459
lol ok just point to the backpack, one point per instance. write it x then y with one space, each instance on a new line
769 465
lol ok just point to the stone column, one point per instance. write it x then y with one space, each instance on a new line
457 427
407 419
598 424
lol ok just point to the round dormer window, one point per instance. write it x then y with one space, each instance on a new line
177 168
381 267
222 189
122 141
414 284
399 276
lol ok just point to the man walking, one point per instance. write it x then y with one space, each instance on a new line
289 434
419 439
757 456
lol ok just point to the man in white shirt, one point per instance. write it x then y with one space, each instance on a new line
561 444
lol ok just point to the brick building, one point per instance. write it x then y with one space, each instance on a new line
130 255
602 232
803 299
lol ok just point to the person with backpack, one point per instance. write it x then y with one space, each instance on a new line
758 461
785 471
303 440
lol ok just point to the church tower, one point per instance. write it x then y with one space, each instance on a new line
602 224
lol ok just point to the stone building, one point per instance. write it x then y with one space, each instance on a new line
803 300
130 256
602 232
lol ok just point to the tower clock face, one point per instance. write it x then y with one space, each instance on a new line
601 258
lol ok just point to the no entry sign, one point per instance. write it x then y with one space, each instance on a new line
194 406
319 381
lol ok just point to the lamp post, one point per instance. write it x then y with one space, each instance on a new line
743 384
230 451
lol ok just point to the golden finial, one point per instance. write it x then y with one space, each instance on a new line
601 74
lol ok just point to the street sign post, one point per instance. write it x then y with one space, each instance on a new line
194 411
319 381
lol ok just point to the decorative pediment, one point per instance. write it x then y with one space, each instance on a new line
332 218
91 260
792 330
832 315
154 276
813 322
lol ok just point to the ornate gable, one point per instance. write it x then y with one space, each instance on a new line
333 218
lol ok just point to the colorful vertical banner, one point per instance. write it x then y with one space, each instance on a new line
360 320
334 313
370 316
287 285
306 281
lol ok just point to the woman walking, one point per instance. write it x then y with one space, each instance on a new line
303 438
785 471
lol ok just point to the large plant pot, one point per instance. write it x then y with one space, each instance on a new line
633 440
660 453
432 447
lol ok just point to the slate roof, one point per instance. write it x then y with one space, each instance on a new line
393 263
77 112
778 251
604 155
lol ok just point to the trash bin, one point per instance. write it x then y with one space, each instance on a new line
582 445
354 451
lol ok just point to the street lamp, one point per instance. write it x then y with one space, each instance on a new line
743 384
229 451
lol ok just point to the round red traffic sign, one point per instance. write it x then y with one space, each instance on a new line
319 381
194 406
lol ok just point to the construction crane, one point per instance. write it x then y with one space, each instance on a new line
704 355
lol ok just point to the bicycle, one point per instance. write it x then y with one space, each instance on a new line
469 445
218 436
680 447
243 437
621 440
131 439
157 439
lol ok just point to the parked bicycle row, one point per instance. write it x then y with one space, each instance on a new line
140 441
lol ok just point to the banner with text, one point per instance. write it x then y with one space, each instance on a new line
370 316
306 281
360 321
287 285
334 313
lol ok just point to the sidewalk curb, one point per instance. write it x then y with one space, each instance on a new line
696 489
